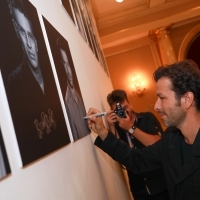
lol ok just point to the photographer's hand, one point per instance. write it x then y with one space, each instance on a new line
125 123
96 124
111 118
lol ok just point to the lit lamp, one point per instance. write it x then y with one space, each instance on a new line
137 85
119 1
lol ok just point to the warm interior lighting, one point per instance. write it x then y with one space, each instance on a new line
137 85
119 1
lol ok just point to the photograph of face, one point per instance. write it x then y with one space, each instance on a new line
25 33
4 164
68 82
38 118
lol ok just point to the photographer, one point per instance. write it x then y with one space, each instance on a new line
145 131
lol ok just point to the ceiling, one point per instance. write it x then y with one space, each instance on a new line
119 23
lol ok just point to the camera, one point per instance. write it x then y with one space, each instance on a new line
119 111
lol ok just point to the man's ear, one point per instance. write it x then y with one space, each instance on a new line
188 100
16 28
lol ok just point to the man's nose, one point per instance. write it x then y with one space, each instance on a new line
157 105
28 41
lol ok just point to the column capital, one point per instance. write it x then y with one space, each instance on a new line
163 40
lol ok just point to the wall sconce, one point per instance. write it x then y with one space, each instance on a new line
138 85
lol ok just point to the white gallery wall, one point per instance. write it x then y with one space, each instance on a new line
78 170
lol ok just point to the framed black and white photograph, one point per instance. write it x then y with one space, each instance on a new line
68 7
81 13
68 82
100 55
29 82
4 163
78 19
87 24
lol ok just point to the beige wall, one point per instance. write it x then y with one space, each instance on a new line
139 61
142 59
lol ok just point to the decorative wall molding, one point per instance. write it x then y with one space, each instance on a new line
134 44
145 26
123 24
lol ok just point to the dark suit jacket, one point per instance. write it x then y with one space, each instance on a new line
37 117
181 167
153 180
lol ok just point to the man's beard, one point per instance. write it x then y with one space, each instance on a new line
176 119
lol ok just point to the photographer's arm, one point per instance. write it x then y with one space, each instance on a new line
120 151
111 119
145 138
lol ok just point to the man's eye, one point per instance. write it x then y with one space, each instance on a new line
22 31
30 36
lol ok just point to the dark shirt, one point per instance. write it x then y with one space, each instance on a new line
182 170
153 180
76 111
37 117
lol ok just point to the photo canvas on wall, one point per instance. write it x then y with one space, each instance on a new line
68 82
68 7
78 19
81 14
100 55
29 82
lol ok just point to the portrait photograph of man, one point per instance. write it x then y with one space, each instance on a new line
68 82
31 91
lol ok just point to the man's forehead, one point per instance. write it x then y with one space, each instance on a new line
163 82
163 85
22 20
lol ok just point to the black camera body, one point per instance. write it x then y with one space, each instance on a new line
119 111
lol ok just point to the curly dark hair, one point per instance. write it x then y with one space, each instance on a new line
184 76
117 96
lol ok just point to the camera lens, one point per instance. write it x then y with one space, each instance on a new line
121 113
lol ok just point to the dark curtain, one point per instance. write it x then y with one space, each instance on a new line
193 51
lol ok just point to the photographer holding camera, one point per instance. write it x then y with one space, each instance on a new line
145 130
